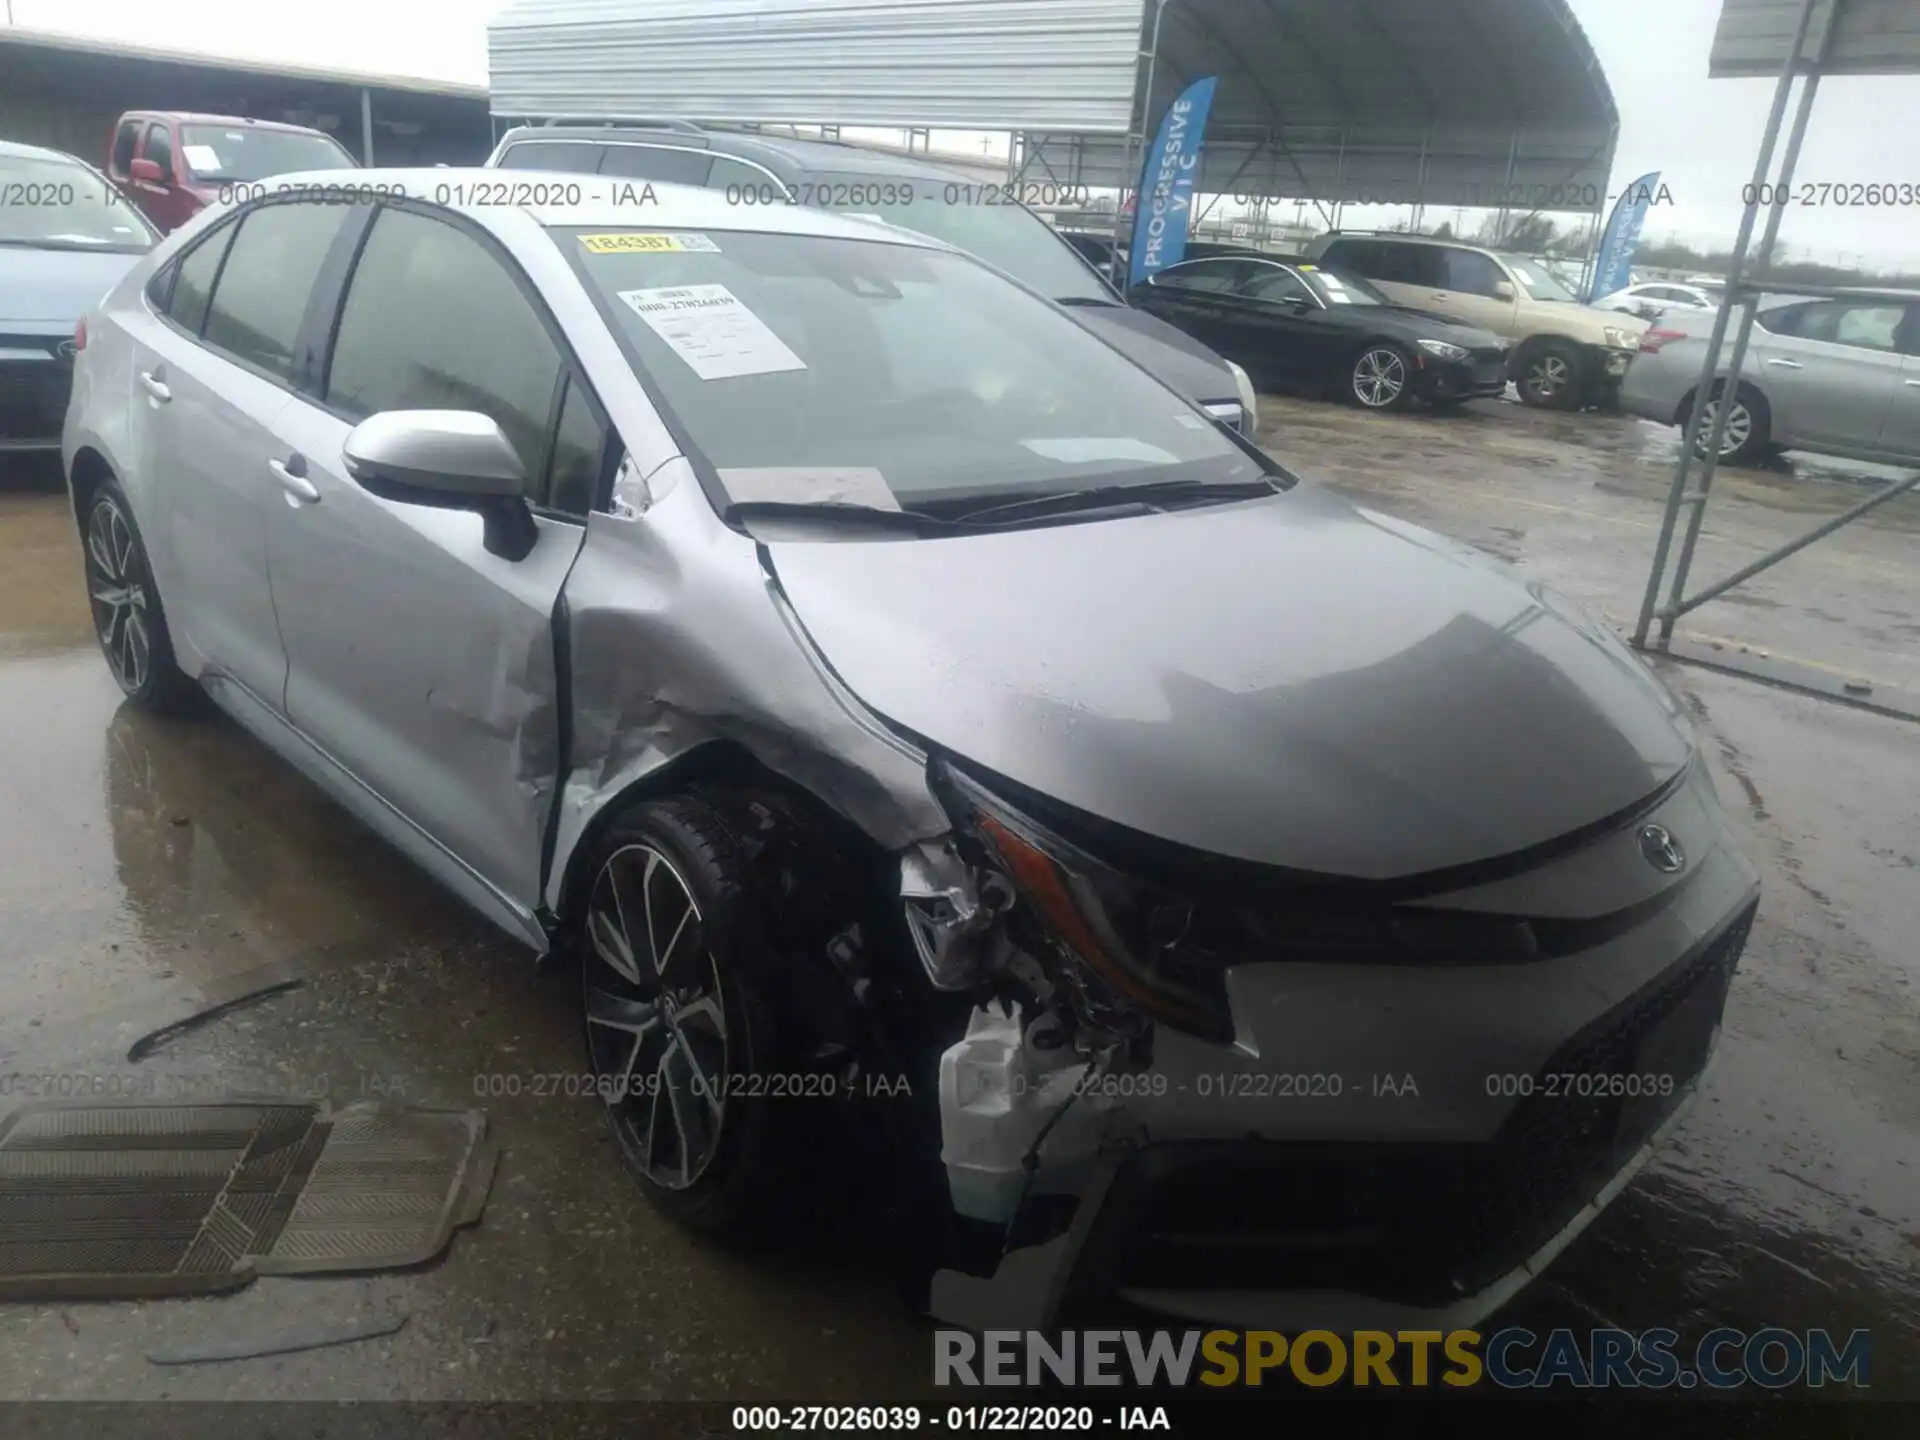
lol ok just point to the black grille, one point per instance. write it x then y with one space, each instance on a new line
33 398
1419 1224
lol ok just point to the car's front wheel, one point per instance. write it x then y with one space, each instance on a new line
1381 378
682 1038
127 616
1548 376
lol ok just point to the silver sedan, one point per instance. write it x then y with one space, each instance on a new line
951 757
1834 377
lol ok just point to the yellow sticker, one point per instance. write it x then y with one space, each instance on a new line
1306 267
633 240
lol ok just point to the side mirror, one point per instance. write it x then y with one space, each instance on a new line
1503 290
145 169
451 459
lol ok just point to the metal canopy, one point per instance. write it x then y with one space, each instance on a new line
1869 37
1498 103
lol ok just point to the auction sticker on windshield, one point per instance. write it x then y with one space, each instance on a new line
712 331
630 241
201 157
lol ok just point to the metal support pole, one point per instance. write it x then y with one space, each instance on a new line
1506 188
1340 181
1420 180
366 126
1710 462
1129 173
1677 493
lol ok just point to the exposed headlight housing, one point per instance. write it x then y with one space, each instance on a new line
1443 349
1249 400
1118 938
1620 339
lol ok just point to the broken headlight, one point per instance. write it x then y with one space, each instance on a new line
1122 940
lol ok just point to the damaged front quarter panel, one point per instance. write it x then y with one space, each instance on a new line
679 639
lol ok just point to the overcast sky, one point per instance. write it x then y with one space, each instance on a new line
1701 134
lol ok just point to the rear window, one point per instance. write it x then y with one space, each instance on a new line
574 157
806 368
656 162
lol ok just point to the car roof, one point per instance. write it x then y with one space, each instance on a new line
196 117
795 157
604 201
20 150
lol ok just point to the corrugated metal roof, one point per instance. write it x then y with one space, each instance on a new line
1870 37
1452 102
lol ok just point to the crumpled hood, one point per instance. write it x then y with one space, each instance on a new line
1289 681
56 287
1171 356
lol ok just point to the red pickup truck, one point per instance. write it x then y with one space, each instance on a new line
170 163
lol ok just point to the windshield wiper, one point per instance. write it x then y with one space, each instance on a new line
845 513
1153 494
1088 300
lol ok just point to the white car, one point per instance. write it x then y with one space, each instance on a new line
1649 299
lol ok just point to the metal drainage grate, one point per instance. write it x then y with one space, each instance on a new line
147 1200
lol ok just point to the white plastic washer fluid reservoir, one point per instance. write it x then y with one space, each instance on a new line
993 1105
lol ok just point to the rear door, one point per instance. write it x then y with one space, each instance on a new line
419 660
1901 433
212 371
1406 274
1468 291
1831 370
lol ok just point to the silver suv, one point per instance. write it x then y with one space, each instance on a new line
952 758
1565 355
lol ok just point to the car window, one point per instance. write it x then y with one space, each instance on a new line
1869 327
579 447
193 280
262 293
727 172
1362 257
124 139
48 202
1864 326
160 150
1659 292
1472 273
224 154
803 367
1410 265
1273 283
575 157
434 320
1214 275
656 162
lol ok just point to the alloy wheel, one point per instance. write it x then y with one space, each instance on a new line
117 586
1549 375
656 1019
1378 378
1739 427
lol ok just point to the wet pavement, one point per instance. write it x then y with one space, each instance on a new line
144 861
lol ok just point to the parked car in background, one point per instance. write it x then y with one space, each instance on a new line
172 164
935 695
1564 355
983 219
1836 377
1302 324
66 236
1649 299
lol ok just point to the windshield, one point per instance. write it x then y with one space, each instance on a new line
805 369
219 153
1340 287
977 218
1540 283
55 204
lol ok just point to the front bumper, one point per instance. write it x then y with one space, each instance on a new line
1480 377
1297 1178
36 383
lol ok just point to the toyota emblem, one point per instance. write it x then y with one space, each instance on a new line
1663 852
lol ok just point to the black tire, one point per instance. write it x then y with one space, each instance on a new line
698 1138
1749 428
128 618
1551 375
1380 377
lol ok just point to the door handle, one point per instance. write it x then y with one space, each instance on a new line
1787 364
1441 295
292 475
155 386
